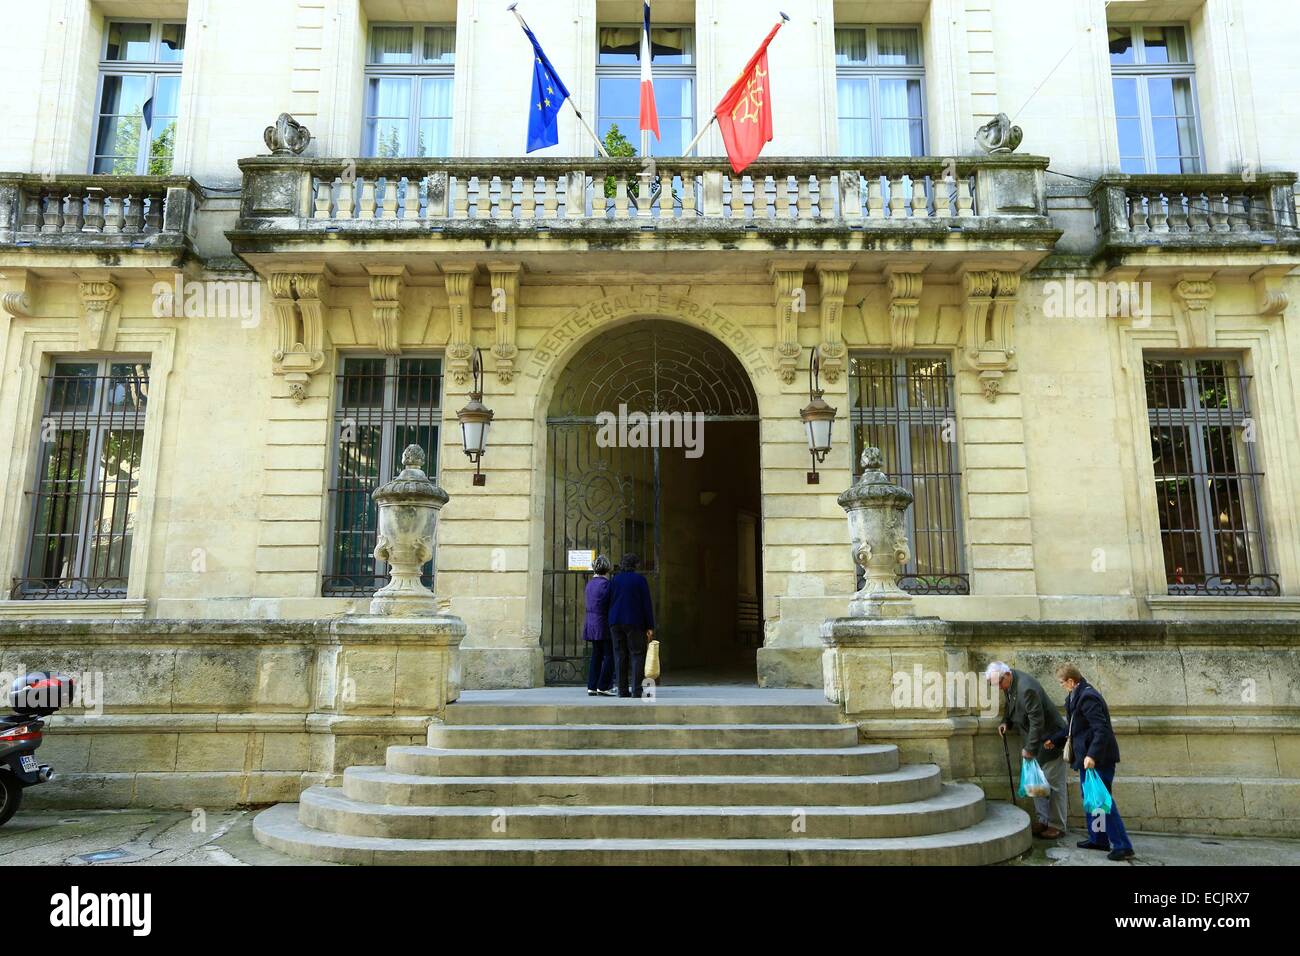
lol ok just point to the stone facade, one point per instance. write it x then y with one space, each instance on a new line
1059 519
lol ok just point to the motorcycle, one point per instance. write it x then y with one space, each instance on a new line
32 697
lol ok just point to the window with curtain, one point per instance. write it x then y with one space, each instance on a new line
410 69
1208 478
618 84
905 406
1154 82
139 97
879 80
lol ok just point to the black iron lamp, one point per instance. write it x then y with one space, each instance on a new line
817 418
475 419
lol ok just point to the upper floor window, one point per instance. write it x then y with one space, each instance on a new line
879 80
409 75
1207 477
87 476
905 406
139 94
618 85
1154 82
384 403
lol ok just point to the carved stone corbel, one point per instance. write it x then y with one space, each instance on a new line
904 307
460 304
98 331
1125 297
18 304
505 301
1194 294
990 315
21 302
1271 297
791 299
298 301
386 284
833 279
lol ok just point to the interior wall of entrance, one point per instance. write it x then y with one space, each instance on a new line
710 551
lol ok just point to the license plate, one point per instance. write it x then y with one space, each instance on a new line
28 762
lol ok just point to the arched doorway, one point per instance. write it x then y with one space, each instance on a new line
679 488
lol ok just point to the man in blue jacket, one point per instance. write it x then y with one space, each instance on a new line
631 625
1092 747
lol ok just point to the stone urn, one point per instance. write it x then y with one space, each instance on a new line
876 508
408 516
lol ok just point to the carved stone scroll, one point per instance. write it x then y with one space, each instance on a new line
505 295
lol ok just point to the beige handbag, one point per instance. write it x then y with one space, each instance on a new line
652 660
1068 752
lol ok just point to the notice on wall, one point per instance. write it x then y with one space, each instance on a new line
581 560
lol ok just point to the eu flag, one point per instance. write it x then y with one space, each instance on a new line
549 94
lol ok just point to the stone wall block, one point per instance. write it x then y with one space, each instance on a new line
214 679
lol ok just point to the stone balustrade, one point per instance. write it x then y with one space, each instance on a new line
305 195
1197 210
97 211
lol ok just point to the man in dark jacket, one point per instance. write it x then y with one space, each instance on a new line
1093 747
631 624
1029 710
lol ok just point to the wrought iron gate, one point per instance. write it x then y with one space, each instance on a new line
607 499
604 500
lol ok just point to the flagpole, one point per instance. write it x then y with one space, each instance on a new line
713 118
568 99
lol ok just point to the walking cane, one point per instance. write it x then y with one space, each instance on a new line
1011 793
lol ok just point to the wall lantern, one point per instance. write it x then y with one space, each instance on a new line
475 418
817 417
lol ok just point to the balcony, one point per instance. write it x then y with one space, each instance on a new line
294 207
67 220
1213 219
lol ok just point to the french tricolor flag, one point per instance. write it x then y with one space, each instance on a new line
649 113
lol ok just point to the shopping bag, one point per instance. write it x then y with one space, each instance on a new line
652 660
1033 782
1095 795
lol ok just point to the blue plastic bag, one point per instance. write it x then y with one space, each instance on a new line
1095 795
1033 782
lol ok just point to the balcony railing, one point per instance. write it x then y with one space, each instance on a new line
97 212
557 195
1196 211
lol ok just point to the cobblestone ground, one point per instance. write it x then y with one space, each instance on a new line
225 838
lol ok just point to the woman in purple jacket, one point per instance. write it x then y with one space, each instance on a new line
595 628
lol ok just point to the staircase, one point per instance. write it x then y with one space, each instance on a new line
704 775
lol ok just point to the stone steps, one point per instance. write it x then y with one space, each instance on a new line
705 775
642 736
954 807
625 761
379 785
1002 834
605 710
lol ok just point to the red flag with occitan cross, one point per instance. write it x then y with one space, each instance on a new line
745 112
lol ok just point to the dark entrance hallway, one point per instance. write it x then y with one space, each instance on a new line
709 600
691 513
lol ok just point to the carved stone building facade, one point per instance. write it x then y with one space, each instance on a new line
1079 355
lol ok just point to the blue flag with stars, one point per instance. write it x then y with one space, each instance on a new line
549 94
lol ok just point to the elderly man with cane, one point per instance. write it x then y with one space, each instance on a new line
1030 711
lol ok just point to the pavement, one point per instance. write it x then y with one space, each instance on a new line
225 838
